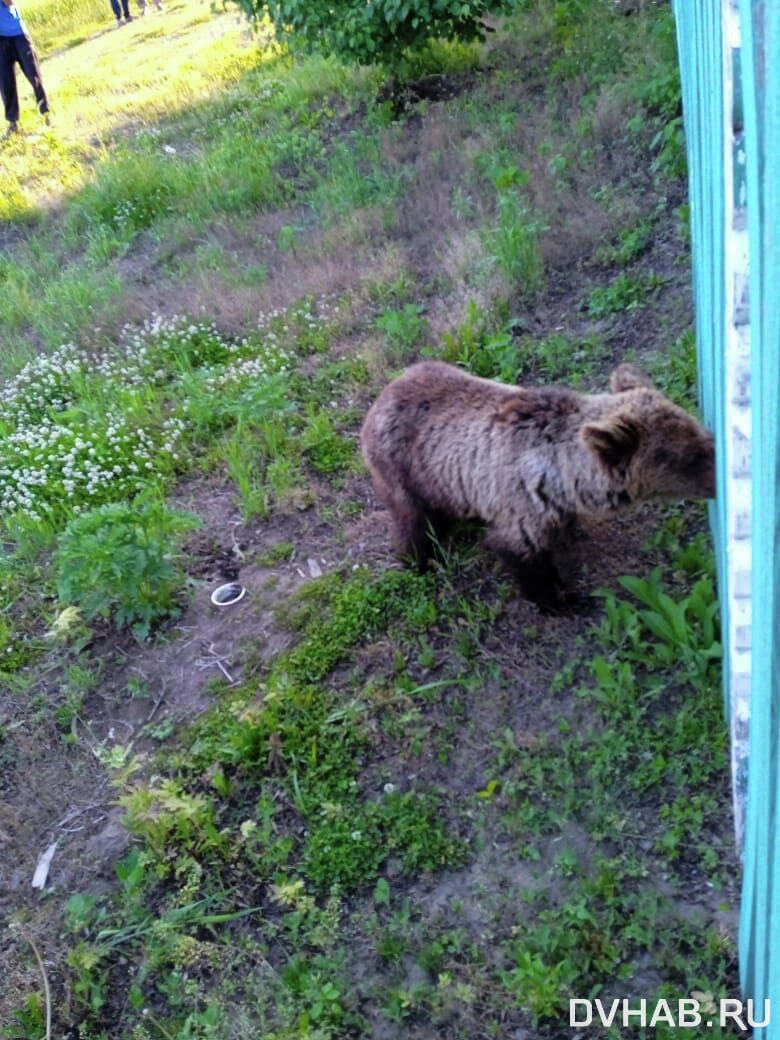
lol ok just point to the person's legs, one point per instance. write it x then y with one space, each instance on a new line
8 80
28 60
116 9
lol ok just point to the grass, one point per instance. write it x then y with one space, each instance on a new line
407 804
56 27
627 292
94 103
220 89
309 743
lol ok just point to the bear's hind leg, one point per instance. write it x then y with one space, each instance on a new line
538 579
533 569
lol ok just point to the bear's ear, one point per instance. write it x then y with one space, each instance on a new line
628 377
614 441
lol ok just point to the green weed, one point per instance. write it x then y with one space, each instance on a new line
674 371
688 550
350 844
320 997
631 243
626 293
480 347
245 467
652 686
660 97
562 359
336 616
513 243
280 552
121 561
685 629
404 328
328 451
168 816
483 349
29 1020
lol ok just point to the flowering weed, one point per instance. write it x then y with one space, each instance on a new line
53 466
78 431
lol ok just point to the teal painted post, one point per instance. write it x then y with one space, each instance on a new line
699 44
760 917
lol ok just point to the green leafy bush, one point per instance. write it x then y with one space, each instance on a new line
376 33
121 560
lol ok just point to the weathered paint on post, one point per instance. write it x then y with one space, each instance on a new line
737 627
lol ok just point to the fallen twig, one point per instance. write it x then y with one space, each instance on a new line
215 659
158 702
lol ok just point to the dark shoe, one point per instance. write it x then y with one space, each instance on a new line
11 129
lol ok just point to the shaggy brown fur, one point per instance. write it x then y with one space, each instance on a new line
442 444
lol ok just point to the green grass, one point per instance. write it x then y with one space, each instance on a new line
112 188
311 742
512 243
93 101
299 753
56 25
119 193
653 687
630 244
421 808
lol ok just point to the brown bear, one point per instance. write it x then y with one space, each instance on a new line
442 444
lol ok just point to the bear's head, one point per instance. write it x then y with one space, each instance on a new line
650 446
